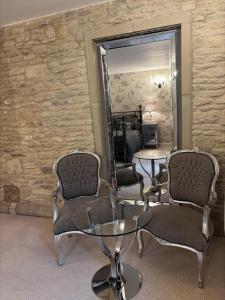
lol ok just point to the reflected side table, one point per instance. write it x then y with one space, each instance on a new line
152 156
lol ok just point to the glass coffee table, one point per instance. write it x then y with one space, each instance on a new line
104 217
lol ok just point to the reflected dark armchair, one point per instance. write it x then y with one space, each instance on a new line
126 175
78 180
185 222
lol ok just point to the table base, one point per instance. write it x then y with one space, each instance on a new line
106 287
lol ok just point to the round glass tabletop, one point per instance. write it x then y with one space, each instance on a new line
104 216
149 154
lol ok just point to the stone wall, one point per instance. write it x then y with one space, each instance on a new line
44 96
129 90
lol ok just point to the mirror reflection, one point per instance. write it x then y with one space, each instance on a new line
142 84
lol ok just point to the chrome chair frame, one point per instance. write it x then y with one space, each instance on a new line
205 220
58 192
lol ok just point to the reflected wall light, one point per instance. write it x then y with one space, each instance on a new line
159 81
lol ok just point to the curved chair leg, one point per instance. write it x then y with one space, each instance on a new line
200 258
140 243
59 250
142 190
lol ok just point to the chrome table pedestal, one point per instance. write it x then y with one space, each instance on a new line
116 281
122 287
107 218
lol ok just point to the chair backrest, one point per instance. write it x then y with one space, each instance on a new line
78 174
192 176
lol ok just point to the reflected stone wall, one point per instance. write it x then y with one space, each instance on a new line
129 90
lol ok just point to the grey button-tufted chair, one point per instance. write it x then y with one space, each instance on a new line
78 180
126 175
185 222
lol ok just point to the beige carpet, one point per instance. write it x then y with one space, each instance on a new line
28 269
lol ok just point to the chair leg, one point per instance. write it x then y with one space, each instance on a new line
140 243
200 257
142 190
59 250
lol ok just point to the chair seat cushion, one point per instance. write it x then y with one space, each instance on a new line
126 177
70 211
179 225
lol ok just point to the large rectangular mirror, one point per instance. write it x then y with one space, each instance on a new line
140 78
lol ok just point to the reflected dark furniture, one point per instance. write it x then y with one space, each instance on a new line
126 175
151 156
185 222
127 134
150 135
78 181
159 192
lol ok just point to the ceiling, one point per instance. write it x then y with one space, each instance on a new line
12 11
151 56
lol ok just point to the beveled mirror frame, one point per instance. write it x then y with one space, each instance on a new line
145 25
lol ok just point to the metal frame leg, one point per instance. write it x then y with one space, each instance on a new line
59 250
142 190
200 257
140 243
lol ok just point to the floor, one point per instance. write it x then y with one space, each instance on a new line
28 270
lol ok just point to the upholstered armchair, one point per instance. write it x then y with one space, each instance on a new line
186 221
78 180
126 175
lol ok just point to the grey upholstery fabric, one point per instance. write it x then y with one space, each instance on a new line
64 222
78 175
127 176
70 211
179 224
191 175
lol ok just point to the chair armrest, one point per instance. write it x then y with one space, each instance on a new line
212 198
54 203
152 191
205 221
108 186
206 213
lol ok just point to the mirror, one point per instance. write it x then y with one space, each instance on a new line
140 82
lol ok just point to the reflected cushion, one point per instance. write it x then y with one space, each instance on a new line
127 176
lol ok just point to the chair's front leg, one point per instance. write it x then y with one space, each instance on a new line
200 257
140 243
59 250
